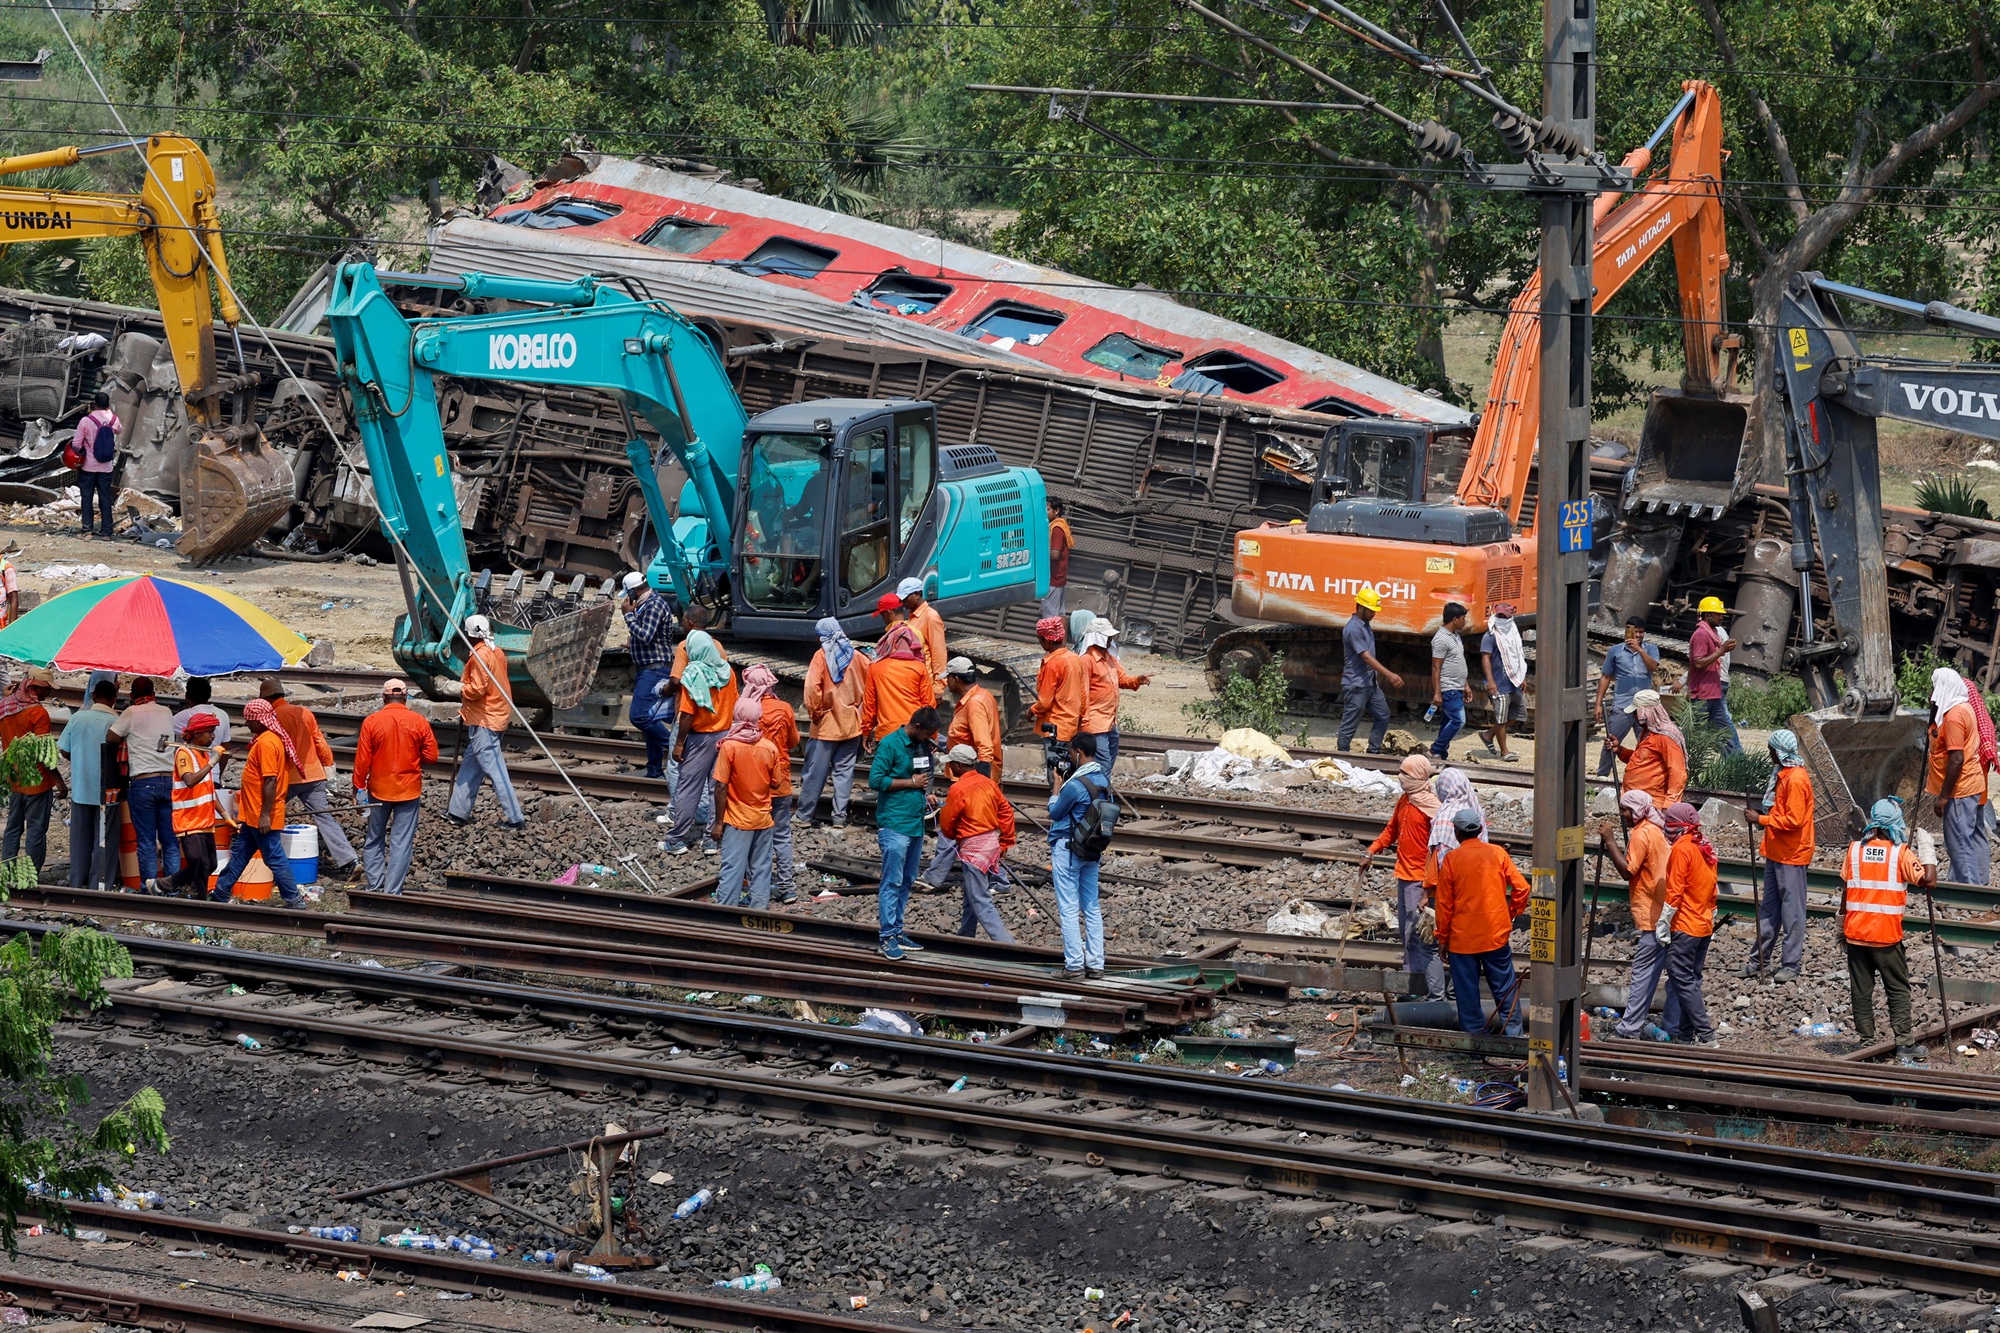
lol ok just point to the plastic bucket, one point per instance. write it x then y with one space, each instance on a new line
301 842
128 848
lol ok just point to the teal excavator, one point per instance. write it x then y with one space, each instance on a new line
809 510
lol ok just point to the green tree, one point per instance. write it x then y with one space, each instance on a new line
41 1140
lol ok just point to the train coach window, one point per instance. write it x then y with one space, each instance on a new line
1011 321
1214 372
681 236
904 293
787 258
561 215
1129 356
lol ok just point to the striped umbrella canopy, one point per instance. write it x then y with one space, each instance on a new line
151 626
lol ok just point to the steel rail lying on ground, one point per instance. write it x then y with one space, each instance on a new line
1298 1107
86 1299
1349 1168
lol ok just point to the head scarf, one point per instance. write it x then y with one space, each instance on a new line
758 682
1507 638
1785 746
1683 822
746 724
1989 739
899 644
1454 793
1050 629
838 647
1503 610
1100 633
17 698
1947 691
705 672
1415 776
1640 806
1885 819
265 716
203 720
1658 722
1079 625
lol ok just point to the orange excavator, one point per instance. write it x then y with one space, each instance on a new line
232 486
1390 511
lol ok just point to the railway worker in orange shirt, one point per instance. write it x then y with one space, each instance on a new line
929 627
781 728
980 822
899 679
1408 834
1787 820
836 692
1643 863
260 806
1956 778
1656 760
1106 677
1480 891
1687 924
1876 879
1062 687
750 775
389 758
975 726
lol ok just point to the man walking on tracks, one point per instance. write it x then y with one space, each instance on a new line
389 760
1643 863
307 789
980 823
1956 778
1362 675
1480 892
486 707
1787 821
1687 924
750 777
1876 878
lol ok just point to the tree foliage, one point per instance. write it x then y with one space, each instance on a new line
43 1147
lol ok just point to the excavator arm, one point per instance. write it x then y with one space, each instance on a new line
1858 745
585 334
1683 207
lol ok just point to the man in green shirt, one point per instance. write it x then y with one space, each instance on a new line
901 778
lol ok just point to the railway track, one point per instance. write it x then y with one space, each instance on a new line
1925 1227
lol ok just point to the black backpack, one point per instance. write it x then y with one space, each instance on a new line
1091 827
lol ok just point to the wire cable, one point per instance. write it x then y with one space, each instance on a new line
628 859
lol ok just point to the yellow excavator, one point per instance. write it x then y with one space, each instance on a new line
233 486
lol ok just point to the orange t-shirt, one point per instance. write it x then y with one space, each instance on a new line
1409 832
1062 690
1657 767
835 706
780 724
754 773
267 760
895 689
314 753
1691 887
974 806
486 694
1646 861
1104 678
929 626
390 755
30 721
975 721
1958 729
720 711
1480 892
1788 824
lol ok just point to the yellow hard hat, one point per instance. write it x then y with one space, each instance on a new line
1712 604
1368 599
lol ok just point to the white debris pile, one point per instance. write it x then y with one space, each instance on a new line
61 573
1302 916
65 508
1248 760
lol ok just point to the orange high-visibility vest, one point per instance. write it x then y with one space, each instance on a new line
194 807
1876 892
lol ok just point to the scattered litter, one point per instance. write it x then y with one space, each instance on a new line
660 1178
1407 1081
389 1319
751 999
349 1275
61 573
1986 1037
1816 1030
959 1086
693 1204
759 1279
96 1236
1301 916
187 1254
15 1315
701 996
237 990
853 1303
454 1295
1093 1293
592 1273
248 1042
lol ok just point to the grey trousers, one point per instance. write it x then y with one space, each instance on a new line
92 866
1649 962
1687 1008
391 843
1966 842
1618 725
945 860
481 763
979 909
28 820
746 855
1052 605
1418 957
311 799
823 757
783 870
697 768
1782 909
1357 699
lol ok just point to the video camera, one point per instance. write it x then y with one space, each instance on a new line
1055 752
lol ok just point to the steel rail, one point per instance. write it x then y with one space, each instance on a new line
492 1279
1195 1093
1949 1262
85 1298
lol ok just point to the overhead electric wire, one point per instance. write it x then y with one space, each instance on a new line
629 860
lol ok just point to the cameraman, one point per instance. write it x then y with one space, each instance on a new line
1075 877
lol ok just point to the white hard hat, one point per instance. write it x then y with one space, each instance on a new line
908 586
478 628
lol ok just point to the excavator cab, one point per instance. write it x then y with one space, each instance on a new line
1398 480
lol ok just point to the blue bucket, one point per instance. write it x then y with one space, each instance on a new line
301 842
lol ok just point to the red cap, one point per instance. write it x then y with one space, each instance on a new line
888 602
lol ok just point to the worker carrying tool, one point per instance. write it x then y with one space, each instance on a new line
1955 779
1480 892
1787 820
1876 877
1656 760
1687 925
1643 863
1408 835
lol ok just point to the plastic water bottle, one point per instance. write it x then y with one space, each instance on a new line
334 1233
594 869
1271 1067
959 1086
762 1279
248 1042
1817 1030
540 1256
592 1272
1430 714
693 1204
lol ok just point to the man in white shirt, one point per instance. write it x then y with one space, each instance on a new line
199 694
147 728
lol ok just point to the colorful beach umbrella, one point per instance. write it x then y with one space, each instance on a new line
151 626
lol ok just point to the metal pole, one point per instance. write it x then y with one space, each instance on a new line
1562 536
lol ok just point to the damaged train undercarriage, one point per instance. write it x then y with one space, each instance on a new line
1157 482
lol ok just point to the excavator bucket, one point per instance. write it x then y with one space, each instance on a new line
555 635
234 486
1856 761
1694 459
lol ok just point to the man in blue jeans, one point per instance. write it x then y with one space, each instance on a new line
1075 877
1628 668
1708 649
649 633
901 777
1448 672
260 807
147 728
